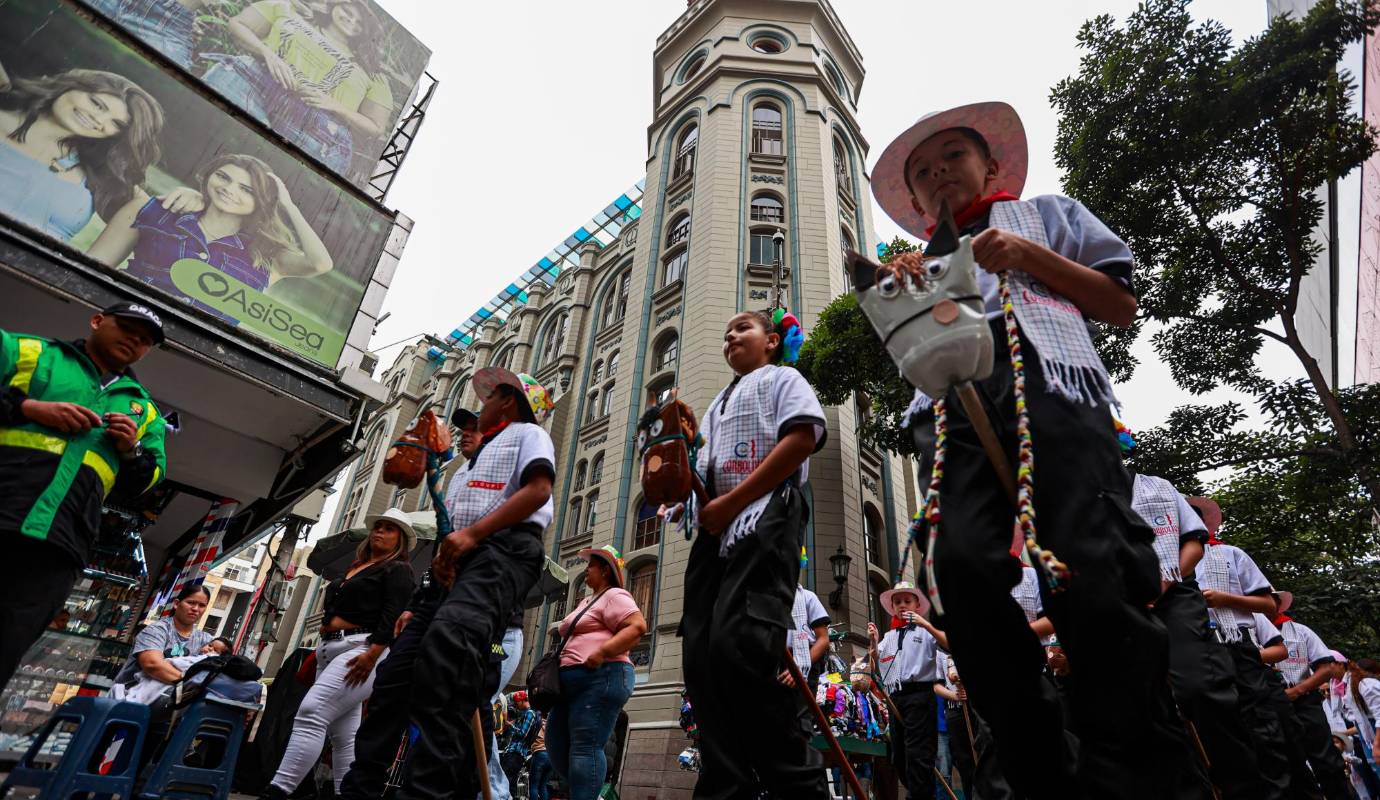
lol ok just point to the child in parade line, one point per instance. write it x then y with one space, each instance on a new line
76 144
483 571
241 220
970 739
1361 702
909 674
1308 668
1200 670
1235 589
809 636
742 571
1062 267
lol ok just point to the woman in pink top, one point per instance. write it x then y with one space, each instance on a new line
596 674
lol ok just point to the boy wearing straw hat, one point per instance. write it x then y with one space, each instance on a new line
1047 267
907 667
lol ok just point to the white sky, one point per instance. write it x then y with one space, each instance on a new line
540 121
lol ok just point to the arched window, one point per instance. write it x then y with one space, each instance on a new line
648 530
553 340
457 393
615 301
767 43
679 231
596 470
613 364
580 470
768 208
845 246
873 536
836 79
592 406
876 585
608 400
597 374
763 247
372 447
642 586
766 130
666 352
504 358
685 151
842 174
692 66
592 511
575 516
659 391
673 268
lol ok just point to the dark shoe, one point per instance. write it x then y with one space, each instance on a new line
273 793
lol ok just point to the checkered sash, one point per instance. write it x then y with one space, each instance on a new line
1215 572
1157 502
1027 593
801 636
1296 667
742 430
484 478
204 551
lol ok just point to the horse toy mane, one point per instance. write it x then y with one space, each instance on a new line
668 436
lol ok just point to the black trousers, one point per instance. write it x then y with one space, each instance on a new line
1316 742
733 627
37 584
1204 684
916 743
1260 712
452 670
376 741
982 778
1133 742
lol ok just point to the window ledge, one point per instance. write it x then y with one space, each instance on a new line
766 158
610 333
594 426
669 290
679 181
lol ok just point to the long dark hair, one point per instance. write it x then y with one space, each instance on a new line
365 47
113 166
266 228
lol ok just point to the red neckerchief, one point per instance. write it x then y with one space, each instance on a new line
897 622
1214 539
495 430
976 209
1282 618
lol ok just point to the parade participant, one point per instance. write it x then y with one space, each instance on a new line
1362 703
970 738
809 635
524 727
539 767
1047 266
1235 589
359 616
741 575
1308 668
596 674
76 428
905 659
436 671
1200 670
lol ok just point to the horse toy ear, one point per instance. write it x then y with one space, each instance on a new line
863 271
945 238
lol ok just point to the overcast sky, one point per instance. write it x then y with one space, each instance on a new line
540 121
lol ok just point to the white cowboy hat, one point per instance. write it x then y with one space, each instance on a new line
998 123
1284 599
905 587
398 517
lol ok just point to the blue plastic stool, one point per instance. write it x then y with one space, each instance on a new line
215 725
102 758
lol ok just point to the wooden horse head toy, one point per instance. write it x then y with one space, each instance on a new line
667 437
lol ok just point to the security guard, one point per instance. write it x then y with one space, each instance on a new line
75 427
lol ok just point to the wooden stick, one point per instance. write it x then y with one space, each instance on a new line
481 758
944 783
977 415
823 723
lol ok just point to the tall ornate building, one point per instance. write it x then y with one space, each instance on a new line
754 133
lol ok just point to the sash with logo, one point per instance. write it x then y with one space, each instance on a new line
742 431
1157 502
485 478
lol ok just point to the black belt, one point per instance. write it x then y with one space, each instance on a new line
331 636
907 687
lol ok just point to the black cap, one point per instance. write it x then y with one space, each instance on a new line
461 417
139 312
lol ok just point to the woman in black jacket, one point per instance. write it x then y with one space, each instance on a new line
357 628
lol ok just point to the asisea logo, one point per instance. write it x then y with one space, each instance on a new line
256 311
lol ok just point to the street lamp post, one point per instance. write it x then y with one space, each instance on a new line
839 562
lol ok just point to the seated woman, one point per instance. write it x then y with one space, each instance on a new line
596 674
169 637
314 79
360 612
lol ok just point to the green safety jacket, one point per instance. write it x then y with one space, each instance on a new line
53 484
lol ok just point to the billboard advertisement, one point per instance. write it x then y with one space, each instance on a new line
114 156
330 76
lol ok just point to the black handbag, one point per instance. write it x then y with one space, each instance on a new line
544 681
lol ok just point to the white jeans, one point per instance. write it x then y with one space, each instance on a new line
332 708
512 654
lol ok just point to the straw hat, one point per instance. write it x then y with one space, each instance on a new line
998 123
905 587
610 555
1211 512
539 404
1284 599
398 517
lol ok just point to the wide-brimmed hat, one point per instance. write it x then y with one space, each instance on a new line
905 587
998 123
539 403
1210 512
1285 599
398 517
610 555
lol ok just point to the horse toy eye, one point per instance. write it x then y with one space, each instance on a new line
641 439
657 427
888 287
936 268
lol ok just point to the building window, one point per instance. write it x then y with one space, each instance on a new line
553 340
608 400
648 530
872 536
592 515
876 586
642 585
659 392
680 231
767 43
845 246
596 470
615 302
842 175
762 248
580 470
597 374
692 66
685 152
613 365
558 610
504 359
592 403
836 79
673 269
766 130
576 512
666 352
767 208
